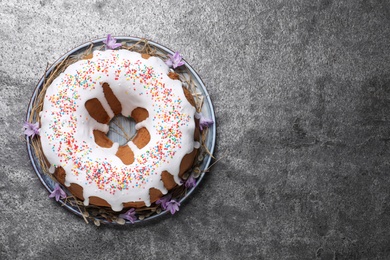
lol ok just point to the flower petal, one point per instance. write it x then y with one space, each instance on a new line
176 56
108 39
169 63
173 206
175 60
163 201
191 182
110 43
57 193
129 215
62 194
203 121
31 129
29 132
180 63
116 45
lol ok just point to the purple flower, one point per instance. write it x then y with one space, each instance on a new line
31 129
175 60
163 201
129 215
173 206
190 182
110 43
168 204
203 121
57 193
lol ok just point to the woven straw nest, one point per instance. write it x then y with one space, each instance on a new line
96 214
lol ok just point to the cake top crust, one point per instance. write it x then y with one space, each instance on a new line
67 128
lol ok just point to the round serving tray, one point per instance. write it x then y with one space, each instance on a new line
207 111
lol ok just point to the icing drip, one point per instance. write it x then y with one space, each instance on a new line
67 128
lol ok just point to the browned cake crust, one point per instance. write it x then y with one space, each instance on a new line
124 152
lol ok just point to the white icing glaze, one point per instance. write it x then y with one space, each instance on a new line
67 128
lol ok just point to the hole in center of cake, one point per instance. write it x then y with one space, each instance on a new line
122 129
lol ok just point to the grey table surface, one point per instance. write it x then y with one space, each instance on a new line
301 91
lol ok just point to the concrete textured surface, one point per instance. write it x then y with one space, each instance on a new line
301 91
